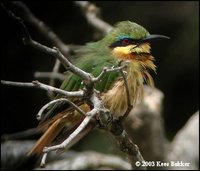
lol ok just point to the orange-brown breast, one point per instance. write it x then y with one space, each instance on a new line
115 99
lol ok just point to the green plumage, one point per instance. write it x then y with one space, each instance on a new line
95 56
93 59
126 28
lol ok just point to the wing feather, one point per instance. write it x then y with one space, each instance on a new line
92 59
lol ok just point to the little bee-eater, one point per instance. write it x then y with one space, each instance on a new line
127 42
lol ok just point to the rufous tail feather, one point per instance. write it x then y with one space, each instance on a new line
47 137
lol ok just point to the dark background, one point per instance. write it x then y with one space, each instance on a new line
177 59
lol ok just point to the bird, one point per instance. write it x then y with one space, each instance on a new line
127 42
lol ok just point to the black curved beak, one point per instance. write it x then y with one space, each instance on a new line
150 38
154 37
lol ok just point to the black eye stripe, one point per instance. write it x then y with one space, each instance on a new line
124 42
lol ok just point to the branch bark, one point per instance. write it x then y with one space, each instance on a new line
49 75
37 84
91 13
39 115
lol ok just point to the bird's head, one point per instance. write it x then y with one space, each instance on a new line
130 41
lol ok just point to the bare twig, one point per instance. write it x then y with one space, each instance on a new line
43 161
20 84
37 84
53 75
106 70
39 115
91 13
65 144
129 105
55 70
56 52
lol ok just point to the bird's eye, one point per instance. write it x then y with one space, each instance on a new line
126 41
122 42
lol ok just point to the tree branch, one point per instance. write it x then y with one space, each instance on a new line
53 75
56 53
129 105
107 70
91 13
55 70
37 84
39 115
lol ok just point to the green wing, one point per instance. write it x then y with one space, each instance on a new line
93 59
